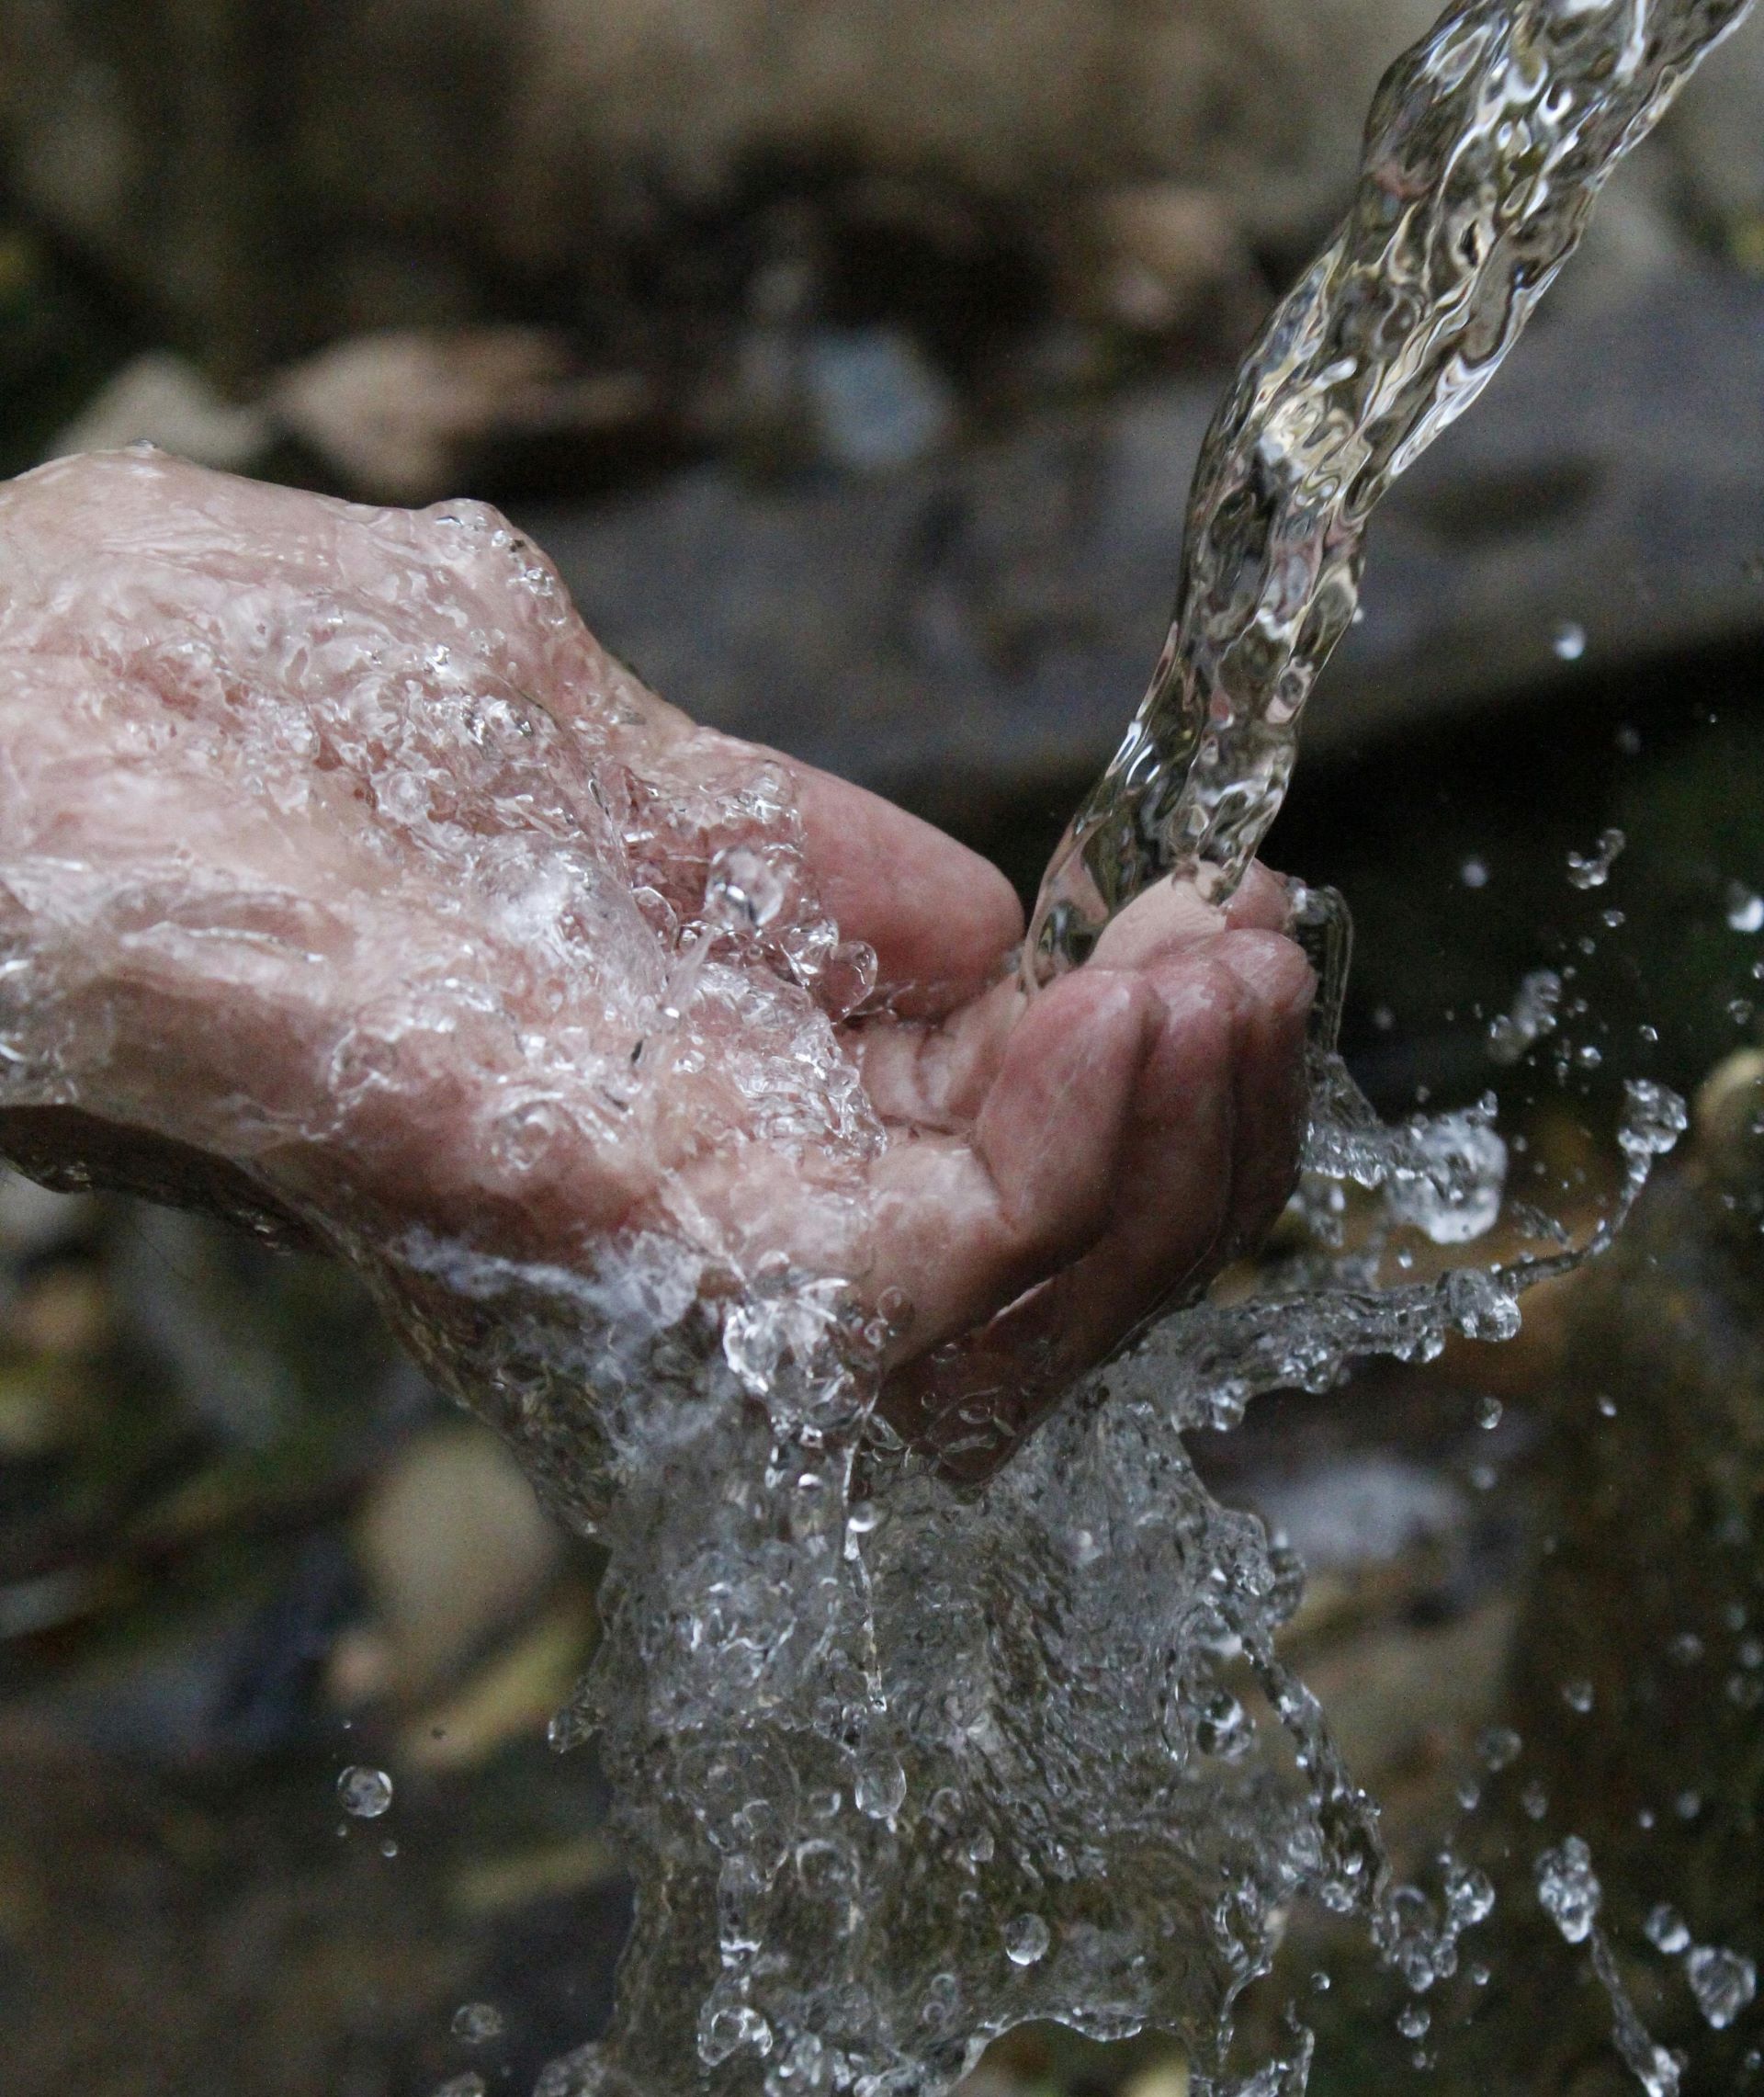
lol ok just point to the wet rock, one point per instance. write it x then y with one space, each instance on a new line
1171 258
424 154
161 399
453 1550
878 402
970 635
408 416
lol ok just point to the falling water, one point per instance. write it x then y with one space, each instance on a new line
897 1766
1487 146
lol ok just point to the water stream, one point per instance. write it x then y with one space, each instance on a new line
898 1765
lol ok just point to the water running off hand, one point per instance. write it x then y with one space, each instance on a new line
897 1768
903 1769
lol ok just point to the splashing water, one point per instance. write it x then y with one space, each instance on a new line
897 1767
1485 148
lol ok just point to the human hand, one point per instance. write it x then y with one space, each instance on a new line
347 883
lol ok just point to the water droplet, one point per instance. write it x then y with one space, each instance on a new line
879 1788
1606 1405
1469 1895
1745 908
1535 1800
1688 1805
1489 1412
1569 642
1469 1796
1026 1939
1320 1982
476 2023
1497 1747
469 2085
1577 1696
1686 1648
1474 874
389 1848
1567 1890
1413 2020
364 1793
1722 1982
1665 1929
1225 1728
1592 869
1479 1976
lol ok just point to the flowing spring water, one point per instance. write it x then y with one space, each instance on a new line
1487 146
897 1766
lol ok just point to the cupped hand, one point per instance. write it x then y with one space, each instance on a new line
346 884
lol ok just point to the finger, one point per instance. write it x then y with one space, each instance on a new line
943 921
1272 1096
1207 1161
963 1225
936 1074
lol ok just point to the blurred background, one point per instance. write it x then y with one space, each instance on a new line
850 357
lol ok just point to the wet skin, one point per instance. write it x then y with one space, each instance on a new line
1052 1171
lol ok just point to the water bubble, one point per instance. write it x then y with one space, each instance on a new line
1605 1405
1469 1895
1665 1929
1567 1890
1320 1982
1225 1728
1745 908
879 1788
469 2085
1490 1412
1686 1648
1688 1805
1474 873
364 1793
1533 1016
942 1998
1534 1800
1654 1120
1722 1982
476 2023
1026 1939
1578 1695
1469 1796
1569 642
1592 869
388 1849
1413 2020
1497 1747
1479 1976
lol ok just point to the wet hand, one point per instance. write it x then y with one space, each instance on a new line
346 884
